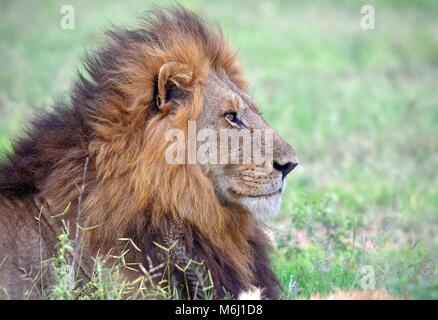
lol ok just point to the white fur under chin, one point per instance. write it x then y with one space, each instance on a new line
262 207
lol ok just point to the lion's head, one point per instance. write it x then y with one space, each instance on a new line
254 184
228 128
175 72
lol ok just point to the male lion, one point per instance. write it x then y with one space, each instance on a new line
100 159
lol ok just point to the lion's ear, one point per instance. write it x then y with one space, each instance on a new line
174 79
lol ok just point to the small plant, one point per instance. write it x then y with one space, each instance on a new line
108 283
62 269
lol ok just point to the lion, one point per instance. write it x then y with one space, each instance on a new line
98 161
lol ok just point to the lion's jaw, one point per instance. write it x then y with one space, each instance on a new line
261 206
264 206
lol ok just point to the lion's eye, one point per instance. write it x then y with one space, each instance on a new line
233 118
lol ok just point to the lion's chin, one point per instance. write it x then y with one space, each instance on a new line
262 207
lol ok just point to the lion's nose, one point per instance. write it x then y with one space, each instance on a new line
286 168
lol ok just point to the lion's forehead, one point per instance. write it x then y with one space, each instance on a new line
222 95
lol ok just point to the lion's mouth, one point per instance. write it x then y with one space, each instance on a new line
264 195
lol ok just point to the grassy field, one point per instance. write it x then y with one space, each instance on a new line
359 106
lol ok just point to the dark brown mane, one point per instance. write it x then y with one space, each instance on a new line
130 191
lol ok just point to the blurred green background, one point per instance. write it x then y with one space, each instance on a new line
359 106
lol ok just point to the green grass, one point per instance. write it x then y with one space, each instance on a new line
360 107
